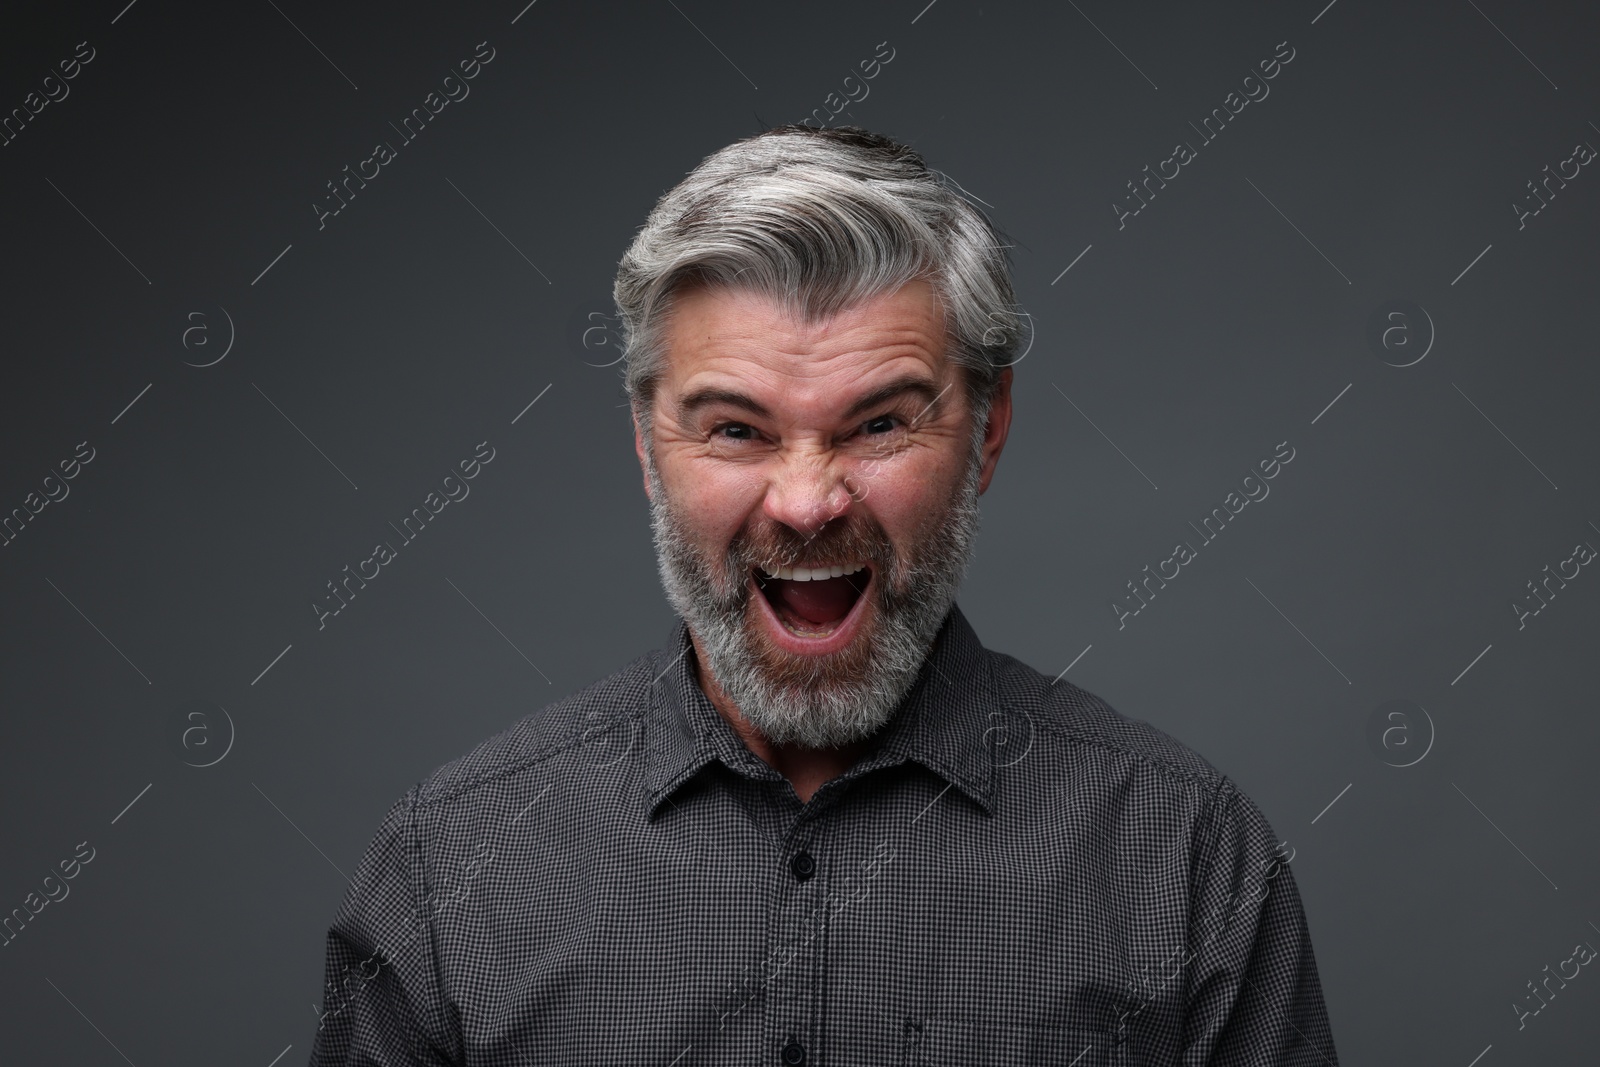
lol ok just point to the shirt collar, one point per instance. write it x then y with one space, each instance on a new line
945 723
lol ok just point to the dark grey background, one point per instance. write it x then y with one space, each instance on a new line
458 287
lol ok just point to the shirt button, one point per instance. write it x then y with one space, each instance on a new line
794 1053
803 867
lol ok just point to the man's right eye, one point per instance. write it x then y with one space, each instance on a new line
734 431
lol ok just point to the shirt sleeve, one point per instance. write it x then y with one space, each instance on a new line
1252 997
382 1000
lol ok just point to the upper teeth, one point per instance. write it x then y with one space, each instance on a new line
806 574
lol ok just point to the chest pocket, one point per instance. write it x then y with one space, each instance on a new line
957 1042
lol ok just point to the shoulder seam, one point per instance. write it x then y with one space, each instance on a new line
555 748
1175 773
1068 733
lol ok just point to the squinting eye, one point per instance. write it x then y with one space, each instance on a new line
881 424
735 431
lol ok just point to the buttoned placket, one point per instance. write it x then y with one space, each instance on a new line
781 994
792 966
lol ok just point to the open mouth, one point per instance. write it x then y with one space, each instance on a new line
814 601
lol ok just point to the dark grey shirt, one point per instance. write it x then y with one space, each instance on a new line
1015 873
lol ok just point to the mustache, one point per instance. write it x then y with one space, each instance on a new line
778 545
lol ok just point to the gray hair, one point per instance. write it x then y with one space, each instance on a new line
821 220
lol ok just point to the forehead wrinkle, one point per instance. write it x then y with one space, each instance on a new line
818 355
742 342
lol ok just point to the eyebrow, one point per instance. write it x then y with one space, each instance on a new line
916 384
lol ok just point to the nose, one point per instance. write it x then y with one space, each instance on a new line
807 493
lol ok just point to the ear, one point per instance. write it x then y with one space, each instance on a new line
994 438
638 450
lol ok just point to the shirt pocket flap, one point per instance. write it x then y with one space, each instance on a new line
956 1042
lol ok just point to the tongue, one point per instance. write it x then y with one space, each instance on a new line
828 600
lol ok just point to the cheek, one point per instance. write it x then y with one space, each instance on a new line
905 491
713 497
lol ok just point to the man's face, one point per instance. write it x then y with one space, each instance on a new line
814 500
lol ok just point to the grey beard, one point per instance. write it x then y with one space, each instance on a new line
816 705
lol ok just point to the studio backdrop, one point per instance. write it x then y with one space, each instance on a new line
287 282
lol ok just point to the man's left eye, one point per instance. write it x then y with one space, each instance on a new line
880 425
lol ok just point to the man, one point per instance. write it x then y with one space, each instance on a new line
823 824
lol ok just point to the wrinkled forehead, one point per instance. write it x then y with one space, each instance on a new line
720 337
